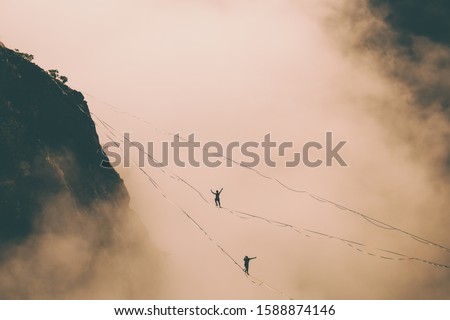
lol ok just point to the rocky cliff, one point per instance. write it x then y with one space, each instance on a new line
63 218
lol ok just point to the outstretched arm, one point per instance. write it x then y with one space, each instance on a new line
253 258
212 191
220 191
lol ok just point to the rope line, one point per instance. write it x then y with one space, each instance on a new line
238 214
367 218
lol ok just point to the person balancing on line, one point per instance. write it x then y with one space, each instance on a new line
246 263
217 200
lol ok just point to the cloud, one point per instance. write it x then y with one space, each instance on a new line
297 70
99 253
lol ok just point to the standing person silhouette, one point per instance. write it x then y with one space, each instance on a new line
246 263
217 200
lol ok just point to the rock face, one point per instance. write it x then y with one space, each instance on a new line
48 145
62 215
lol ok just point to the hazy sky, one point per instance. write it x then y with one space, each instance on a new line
235 71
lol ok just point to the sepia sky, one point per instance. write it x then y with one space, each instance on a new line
234 71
